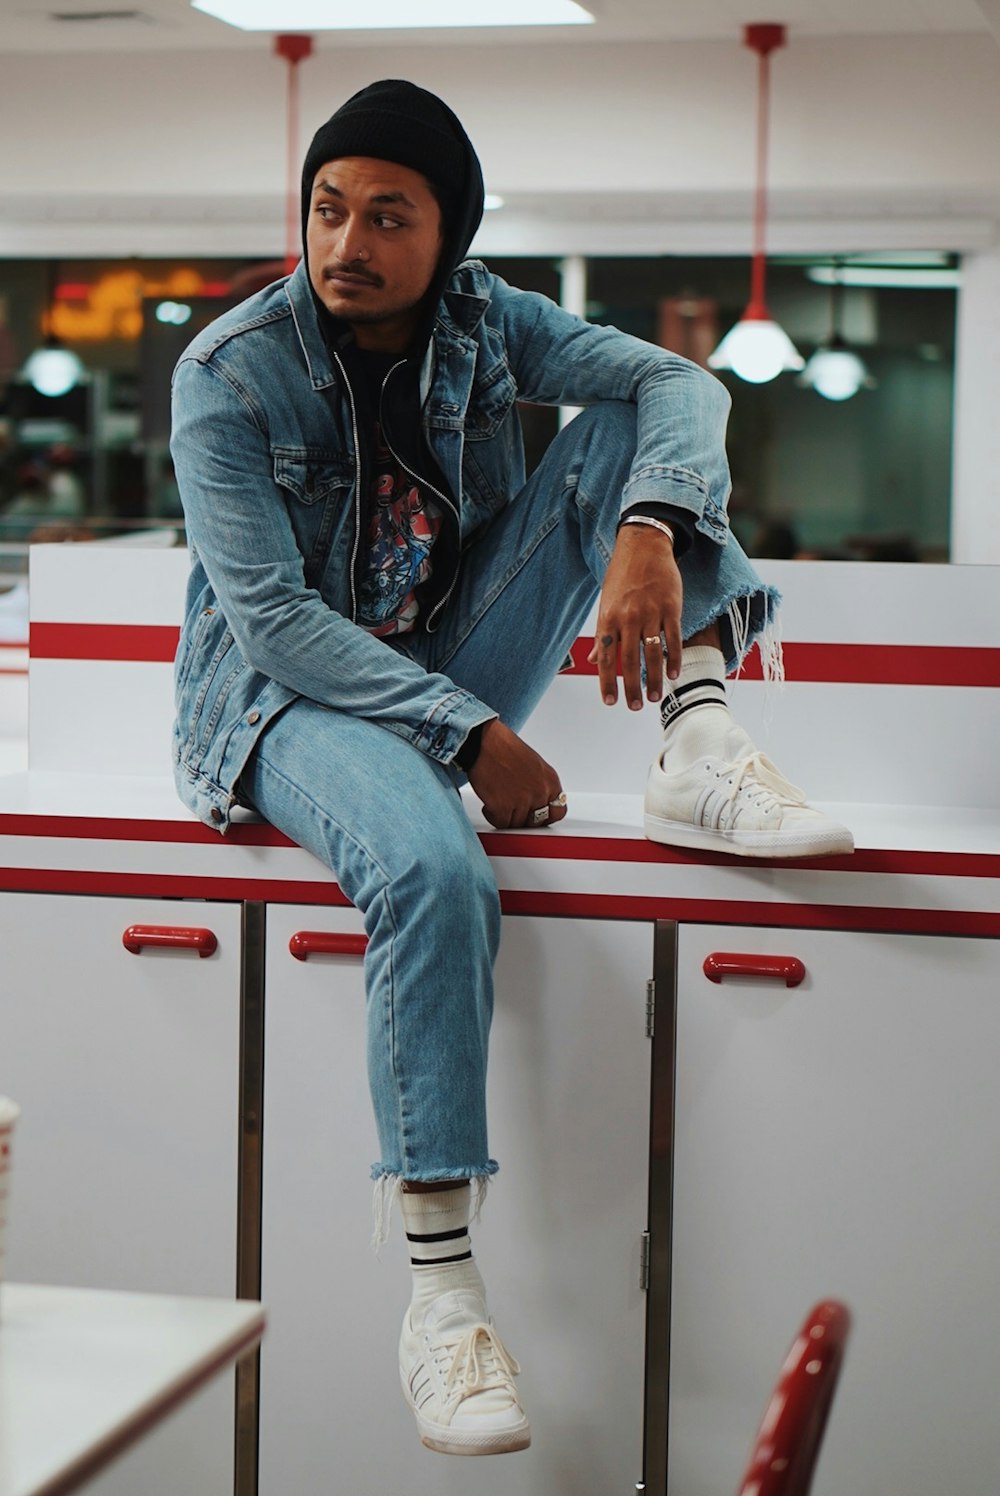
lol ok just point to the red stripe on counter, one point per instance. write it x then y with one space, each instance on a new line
861 664
105 828
746 912
568 905
865 664
143 642
528 844
171 885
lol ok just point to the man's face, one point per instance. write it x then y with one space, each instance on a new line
373 239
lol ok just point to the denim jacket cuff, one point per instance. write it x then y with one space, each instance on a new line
446 728
662 485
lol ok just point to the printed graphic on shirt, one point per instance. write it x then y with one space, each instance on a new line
401 532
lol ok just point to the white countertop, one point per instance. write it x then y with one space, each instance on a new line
85 1373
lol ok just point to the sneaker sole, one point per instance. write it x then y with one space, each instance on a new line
837 841
468 1441
448 1441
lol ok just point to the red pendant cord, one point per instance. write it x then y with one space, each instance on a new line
293 47
762 39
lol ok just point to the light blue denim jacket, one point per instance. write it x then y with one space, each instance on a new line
265 450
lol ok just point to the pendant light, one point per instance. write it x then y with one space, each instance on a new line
835 371
294 47
757 349
52 369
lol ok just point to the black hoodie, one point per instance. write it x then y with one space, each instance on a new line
396 121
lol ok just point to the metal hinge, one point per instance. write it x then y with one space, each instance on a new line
644 1262
650 1007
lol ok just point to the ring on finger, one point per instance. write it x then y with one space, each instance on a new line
540 816
653 639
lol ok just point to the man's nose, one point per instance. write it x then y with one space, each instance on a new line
352 245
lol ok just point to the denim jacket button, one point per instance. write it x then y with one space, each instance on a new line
253 717
216 813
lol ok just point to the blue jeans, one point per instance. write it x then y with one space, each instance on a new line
389 822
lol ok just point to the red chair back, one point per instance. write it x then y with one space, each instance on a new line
791 1431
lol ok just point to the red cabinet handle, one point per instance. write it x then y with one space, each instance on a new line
734 964
137 937
306 943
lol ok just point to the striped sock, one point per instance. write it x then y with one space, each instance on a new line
437 1235
695 712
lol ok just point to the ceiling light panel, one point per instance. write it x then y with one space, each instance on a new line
399 15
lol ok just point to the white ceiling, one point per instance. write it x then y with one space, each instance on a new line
171 25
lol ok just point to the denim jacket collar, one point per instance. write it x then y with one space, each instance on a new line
310 334
459 314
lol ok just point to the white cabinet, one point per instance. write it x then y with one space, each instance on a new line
126 1068
839 1138
559 1240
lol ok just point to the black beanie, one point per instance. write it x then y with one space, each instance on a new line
396 121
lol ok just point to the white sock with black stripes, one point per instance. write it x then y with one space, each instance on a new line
437 1233
695 712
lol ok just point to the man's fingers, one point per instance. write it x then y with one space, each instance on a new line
672 646
555 806
605 654
631 677
652 647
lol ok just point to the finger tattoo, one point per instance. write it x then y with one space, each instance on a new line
607 640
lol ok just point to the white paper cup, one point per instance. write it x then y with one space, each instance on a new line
9 1113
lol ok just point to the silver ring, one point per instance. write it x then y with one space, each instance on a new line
540 816
652 639
559 801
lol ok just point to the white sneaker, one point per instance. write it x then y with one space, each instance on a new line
458 1377
740 804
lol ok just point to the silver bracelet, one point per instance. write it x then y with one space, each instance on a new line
647 519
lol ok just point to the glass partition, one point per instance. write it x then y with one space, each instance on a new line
867 476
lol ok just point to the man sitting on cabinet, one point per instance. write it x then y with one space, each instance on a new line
378 599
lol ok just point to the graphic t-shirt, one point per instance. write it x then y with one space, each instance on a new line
403 525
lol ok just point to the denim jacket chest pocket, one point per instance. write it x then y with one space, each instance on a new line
317 488
493 462
493 392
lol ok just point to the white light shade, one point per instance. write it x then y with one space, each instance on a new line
756 349
175 313
53 371
379 15
835 373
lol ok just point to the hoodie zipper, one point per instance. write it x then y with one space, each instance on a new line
424 482
358 485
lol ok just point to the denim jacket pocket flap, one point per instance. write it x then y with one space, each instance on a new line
311 477
492 397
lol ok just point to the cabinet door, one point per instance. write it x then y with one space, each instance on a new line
839 1139
558 1242
126 1068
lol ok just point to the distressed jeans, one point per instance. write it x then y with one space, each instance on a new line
389 822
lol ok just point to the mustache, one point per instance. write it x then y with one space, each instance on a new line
352 269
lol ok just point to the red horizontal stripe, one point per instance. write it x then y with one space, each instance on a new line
13 670
529 844
745 912
144 642
568 905
172 886
865 664
858 664
13 643
107 828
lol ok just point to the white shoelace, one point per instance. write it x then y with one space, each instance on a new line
480 1361
771 786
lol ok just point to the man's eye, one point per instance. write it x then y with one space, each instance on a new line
384 222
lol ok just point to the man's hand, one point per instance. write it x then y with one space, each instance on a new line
512 780
640 602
